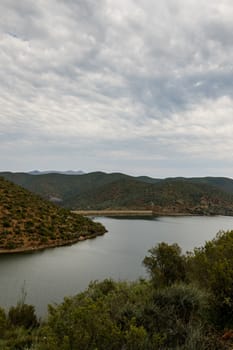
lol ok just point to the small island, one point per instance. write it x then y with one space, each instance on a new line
29 223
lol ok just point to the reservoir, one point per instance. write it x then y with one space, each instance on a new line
49 275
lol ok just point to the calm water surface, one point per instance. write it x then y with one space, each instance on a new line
51 274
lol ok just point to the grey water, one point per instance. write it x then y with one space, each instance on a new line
49 275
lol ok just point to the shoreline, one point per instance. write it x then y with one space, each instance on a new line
97 213
109 213
47 246
113 212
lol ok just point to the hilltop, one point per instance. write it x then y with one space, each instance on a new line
164 198
28 222
101 191
61 186
67 172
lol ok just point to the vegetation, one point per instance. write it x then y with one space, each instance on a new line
29 222
195 196
212 267
186 304
166 197
166 265
62 186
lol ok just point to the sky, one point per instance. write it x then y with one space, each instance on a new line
141 87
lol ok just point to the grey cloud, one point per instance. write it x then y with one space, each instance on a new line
22 19
118 77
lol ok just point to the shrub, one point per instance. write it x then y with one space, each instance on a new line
3 322
211 267
165 264
22 315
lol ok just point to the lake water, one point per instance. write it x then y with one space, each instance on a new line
50 275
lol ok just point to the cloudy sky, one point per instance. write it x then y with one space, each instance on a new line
139 86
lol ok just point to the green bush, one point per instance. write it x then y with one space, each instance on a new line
165 264
212 268
177 310
22 315
3 322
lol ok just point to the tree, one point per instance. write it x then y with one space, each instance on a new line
3 322
176 315
165 264
23 315
211 267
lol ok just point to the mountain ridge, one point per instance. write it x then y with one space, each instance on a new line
100 190
66 172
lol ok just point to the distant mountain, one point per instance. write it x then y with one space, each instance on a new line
164 198
28 222
68 172
223 183
62 186
147 179
98 190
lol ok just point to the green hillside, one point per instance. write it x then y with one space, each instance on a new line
62 186
29 222
98 190
223 183
164 197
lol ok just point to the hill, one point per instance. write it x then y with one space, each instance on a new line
164 197
67 172
28 222
98 190
62 186
223 183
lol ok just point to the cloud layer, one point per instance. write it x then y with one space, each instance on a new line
134 86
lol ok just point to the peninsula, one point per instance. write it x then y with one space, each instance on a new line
29 223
